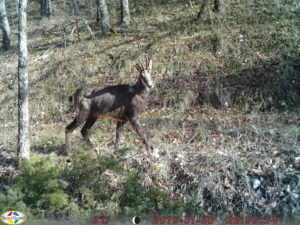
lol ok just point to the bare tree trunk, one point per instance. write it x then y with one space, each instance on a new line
4 25
50 8
77 12
125 16
23 113
219 6
46 8
298 6
102 11
17 7
203 6
76 7
79 16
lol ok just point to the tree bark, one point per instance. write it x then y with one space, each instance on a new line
298 6
201 11
17 7
79 16
219 6
23 113
50 8
76 7
46 8
4 25
102 12
125 16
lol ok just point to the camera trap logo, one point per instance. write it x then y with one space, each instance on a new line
13 217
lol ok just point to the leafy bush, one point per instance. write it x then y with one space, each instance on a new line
39 186
13 199
136 199
48 187
41 177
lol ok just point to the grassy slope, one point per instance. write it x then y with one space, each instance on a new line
219 150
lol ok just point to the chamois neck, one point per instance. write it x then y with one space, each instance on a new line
140 89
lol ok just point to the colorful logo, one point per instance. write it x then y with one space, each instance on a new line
13 217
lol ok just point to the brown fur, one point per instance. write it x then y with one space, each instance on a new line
120 102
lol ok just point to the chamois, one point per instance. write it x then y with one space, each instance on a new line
120 102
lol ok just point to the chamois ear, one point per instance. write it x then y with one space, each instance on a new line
141 66
150 65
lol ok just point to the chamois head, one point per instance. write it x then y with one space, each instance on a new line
145 74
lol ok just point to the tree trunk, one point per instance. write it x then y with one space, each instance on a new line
79 16
17 7
102 12
125 16
4 25
219 6
50 8
298 6
76 7
46 8
201 11
23 113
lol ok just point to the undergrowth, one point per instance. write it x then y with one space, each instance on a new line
47 187
223 118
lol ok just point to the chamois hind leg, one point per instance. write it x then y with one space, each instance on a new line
119 128
86 128
137 127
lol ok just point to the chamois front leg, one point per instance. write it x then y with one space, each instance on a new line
69 129
79 119
86 128
119 128
137 127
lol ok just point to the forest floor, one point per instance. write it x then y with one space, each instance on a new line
223 119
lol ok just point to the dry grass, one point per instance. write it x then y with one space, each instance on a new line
210 157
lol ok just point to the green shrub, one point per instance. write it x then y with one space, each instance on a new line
42 182
49 188
137 199
13 199
53 201
112 209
